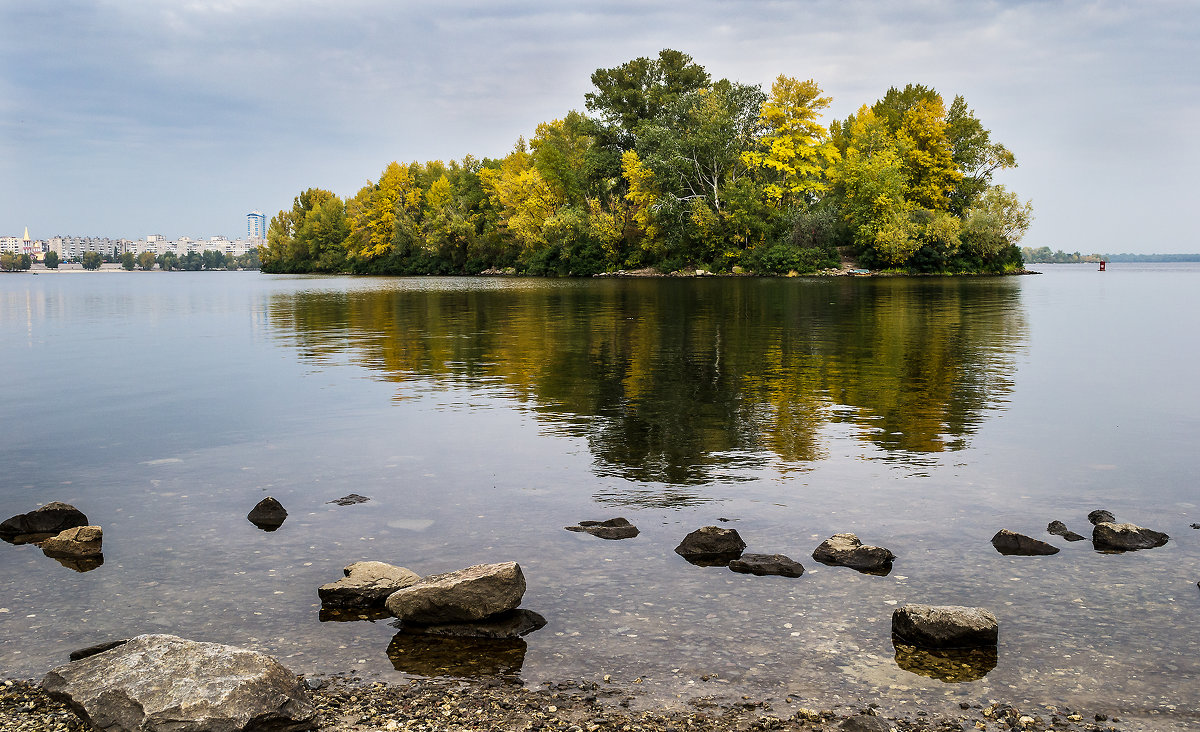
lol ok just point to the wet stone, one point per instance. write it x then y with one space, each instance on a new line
614 528
53 518
711 546
268 514
1058 528
846 550
1126 537
349 500
1100 516
767 564
944 626
1011 543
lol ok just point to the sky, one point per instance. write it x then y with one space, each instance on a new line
123 118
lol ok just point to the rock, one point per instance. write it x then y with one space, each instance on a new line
845 550
467 595
51 519
1101 516
510 624
944 626
1058 528
1107 536
80 542
866 723
268 514
366 584
1196 526
1012 543
160 682
349 500
711 546
616 528
949 665
764 564
83 653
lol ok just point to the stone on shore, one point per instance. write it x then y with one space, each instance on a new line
615 528
845 550
161 683
1100 516
1107 536
80 542
51 519
1012 543
1058 528
82 653
865 723
510 624
466 595
944 626
767 564
711 546
366 584
268 514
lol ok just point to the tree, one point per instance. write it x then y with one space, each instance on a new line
146 261
52 260
976 156
213 259
794 151
167 261
642 89
8 261
192 262
91 260
128 261
994 226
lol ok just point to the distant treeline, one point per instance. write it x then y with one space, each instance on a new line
1043 255
674 170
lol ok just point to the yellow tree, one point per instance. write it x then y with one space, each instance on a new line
382 211
796 150
929 157
643 195
523 196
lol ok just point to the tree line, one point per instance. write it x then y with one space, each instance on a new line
673 170
1043 255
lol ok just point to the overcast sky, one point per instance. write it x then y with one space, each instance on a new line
132 117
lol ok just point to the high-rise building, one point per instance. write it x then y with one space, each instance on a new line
256 225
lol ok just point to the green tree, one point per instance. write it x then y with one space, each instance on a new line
642 89
212 259
191 262
128 261
976 156
91 260
145 260
52 260
994 226
167 261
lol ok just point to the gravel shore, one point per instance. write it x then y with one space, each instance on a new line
349 704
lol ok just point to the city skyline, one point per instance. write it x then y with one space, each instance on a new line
140 117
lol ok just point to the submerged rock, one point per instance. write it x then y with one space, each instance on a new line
711 546
845 550
53 518
614 528
366 584
767 564
80 542
1100 516
944 626
268 514
1012 543
510 624
1058 528
466 595
1125 537
950 665
161 682
349 500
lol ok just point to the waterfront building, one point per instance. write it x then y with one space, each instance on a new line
256 225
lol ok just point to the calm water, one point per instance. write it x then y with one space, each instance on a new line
481 416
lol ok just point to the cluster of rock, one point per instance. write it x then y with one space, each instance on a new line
1107 536
61 531
713 546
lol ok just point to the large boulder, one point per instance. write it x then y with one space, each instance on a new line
1010 542
268 514
81 542
467 595
765 564
845 550
615 528
366 584
711 546
161 683
944 626
1107 536
51 519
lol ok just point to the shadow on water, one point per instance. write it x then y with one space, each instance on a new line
685 383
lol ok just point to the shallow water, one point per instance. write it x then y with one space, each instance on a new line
481 416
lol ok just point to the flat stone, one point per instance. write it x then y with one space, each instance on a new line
1125 537
80 542
1100 516
366 584
1058 528
944 626
711 546
615 528
466 595
767 564
1012 543
268 514
510 624
845 550
865 723
161 683
349 500
49 520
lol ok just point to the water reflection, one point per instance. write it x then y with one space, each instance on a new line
952 666
429 655
688 382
